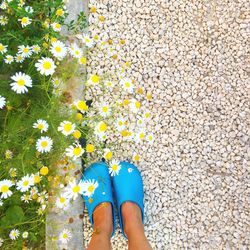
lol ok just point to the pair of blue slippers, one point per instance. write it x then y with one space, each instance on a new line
122 187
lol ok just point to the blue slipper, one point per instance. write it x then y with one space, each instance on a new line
94 193
128 186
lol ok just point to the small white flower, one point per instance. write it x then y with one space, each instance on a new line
26 198
75 51
46 66
57 82
75 151
29 9
1 242
81 105
130 170
104 109
44 144
5 188
1 203
89 187
3 48
73 189
3 5
14 234
93 80
62 201
9 59
134 105
21 82
25 183
2 101
25 51
127 85
19 58
150 138
114 167
3 20
25 21
25 235
36 48
109 84
65 236
66 127
140 136
42 125
58 50
56 26
88 41
120 124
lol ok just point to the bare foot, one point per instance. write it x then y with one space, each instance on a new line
102 217
132 218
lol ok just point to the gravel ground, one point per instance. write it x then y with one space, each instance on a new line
193 57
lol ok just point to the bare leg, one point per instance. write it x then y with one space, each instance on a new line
103 227
133 227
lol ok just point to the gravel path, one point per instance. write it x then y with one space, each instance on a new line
193 57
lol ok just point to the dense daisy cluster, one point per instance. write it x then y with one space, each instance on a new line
44 125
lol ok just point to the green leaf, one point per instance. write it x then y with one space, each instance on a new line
14 214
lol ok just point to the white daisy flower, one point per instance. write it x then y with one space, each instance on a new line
150 138
14 234
25 183
19 58
62 201
120 124
57 82
44 144
1 203
56 26
101 127
109 84
93 80
9 59
66 127
3 48
26 198
5 188
127 85
25 235
29 9
73 189
36 48
25 51
75 151
140 136
134 105
46 66
65 236
75 51
114 167
88 41
81 105
21 82
104 109
3 5
58 50
3 20
42 125
24 21
2 101
1 242
89 187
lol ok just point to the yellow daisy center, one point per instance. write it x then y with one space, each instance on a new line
83 60
58 25
37 179
108 155
137 104
76 189
44 144
67 127
25 50
59 12
40 126
58 49
142 135
95 78
1 47
47 65
65 236
103 127
24 20
127 84
21 82
62 199
120 123
115 167
82 105
4 189
91 188
136 157
77 151
105 109
25 183
87 40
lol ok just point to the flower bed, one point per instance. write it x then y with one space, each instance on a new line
44 129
